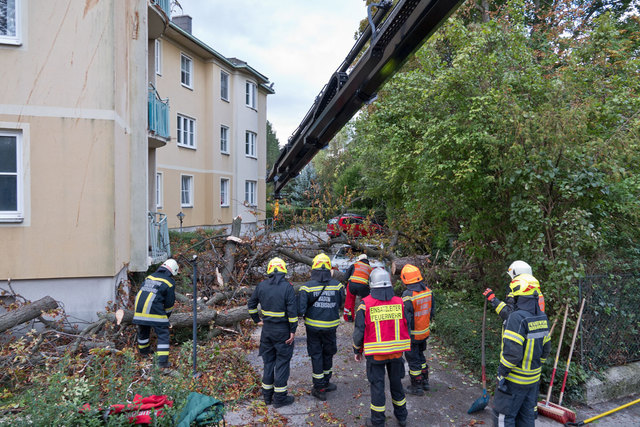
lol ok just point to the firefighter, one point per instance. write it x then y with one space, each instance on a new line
153 306
520 272
277 300
381 332
419 309
357 284
525 347
320 300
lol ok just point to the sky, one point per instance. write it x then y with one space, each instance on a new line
297 44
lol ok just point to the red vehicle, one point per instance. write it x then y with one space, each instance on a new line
352 224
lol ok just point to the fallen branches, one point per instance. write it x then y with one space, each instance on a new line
26 313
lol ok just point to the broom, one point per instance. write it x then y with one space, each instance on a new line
483 400
543 407
561 414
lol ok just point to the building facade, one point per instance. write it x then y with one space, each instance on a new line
83 126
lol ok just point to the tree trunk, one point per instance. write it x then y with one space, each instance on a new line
230 248
26 313
185 320
419 261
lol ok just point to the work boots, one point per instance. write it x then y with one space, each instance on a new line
416 386
287 400
319 393
425 379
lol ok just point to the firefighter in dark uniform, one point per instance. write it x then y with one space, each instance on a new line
153 306
277 300
520 273
419 309
525 347
357 285
320 300
381 332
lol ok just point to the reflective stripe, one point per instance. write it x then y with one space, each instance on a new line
387 347
377 408
518 379
328 372
253 310
500 307
319 288
424 366
163 346
143 341
321 323
159 279
501 420
280 389
272 313
534 335
148 303
415 373
267 386
513 336
528 354
399 402
293 319
162 353
318 376
420 295
158 318
407 298
168 310
422 331
143 345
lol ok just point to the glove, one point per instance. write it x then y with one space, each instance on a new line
348 318
488 293
502 385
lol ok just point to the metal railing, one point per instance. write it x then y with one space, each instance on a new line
164 5
158 113
610 330
159 246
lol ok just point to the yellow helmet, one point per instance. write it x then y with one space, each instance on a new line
321 260
526 285
277 264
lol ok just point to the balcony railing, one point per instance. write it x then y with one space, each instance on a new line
158 114
159 246
164 5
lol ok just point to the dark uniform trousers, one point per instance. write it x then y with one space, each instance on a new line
416 359
276 355
510 409
321 346
375 373
162 345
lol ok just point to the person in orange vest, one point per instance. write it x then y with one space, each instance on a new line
381 333
521 277
357 285
419 309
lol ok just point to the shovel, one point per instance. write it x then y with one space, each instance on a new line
482 401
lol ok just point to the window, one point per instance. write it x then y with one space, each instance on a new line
10 22
158 57
186 71
224 85
224 192
186 191
186 132
250 144
250 94
159 201
11 184
250 193
224 139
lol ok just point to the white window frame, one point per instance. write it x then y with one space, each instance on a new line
224 139
16 38
225 185
186 74
251 93
158 58
225 79
186 194
250 188
159 190
186 132
250 144
16 215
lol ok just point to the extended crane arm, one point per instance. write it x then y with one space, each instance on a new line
391 42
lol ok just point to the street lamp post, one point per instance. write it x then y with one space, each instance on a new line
180 217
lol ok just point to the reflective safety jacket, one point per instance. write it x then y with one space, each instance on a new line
155 300
525 343
277 300
385 327
320 299
361 272
504 309
419 309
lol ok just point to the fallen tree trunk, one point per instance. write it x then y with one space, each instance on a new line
420 261
26 313
185 320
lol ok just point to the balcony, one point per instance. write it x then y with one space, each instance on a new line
159 16
159 246
158 133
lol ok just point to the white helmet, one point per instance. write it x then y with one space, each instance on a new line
379 278
517 268
361 257
171 265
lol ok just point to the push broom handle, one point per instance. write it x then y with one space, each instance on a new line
484 319
555 364
573 341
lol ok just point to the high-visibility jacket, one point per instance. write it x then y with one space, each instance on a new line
155 300
361 272
385 329
418 304
525 343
